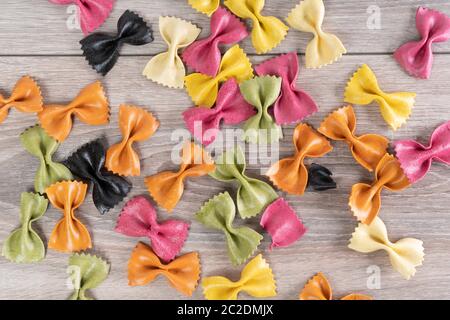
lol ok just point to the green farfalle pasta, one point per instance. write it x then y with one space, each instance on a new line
219 213
261 92
253 195
38 143
86 272
24 245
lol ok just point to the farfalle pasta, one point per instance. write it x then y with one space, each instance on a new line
207 7
24 245
293 104
282 223
102 50
267 32
320 178
231 108
39 144
367 149
88 164
253 195
86 272
203 89
405 255
204 55
69 234
365 199
25 97
290 174
363 89
183 273
89 106
219 213
416 159
318 288
256 280
136 125
138 219
416 57
167 187
167 68
92 13
324 48
261 92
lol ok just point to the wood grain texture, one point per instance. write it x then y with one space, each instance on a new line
420 211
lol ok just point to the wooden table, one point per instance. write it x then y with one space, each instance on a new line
35 41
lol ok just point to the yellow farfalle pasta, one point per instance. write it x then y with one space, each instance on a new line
167 68
405 254
363 89
324 48
205 6
267 32
203 89
256 279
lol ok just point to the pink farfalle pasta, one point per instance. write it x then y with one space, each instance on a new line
415 158
138 219
293 104
92 13
282 223
204 123
416 57
204 55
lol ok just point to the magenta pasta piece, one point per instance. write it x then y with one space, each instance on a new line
93 13
282 223
204 55
204 123
138 219
293 104
416 159
416 57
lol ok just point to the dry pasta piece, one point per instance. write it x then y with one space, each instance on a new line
183 273
318 288
136 125
203 89
405 255
89 106
257 280
207 7
167 68
25 97
167 187
416 159
363 89
324 48
290 174
416 57
367 149
365 199
69 234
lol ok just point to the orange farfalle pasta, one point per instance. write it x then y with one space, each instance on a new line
182 273
367 149
318 288
290 174
25 97
69 234
167 187
136 124
90 106
365 199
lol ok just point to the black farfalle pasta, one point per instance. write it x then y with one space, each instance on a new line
319 178
87 163
102 50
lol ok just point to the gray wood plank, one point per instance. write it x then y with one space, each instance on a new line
420 211
31 28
